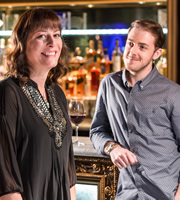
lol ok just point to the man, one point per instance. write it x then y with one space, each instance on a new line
137 120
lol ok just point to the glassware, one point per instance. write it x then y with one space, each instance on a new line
77 114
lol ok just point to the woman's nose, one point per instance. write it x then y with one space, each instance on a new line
50 40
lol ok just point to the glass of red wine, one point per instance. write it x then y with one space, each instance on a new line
77 114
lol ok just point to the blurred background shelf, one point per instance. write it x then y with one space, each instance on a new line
101 20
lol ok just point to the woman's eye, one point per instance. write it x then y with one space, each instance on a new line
41 36
57 35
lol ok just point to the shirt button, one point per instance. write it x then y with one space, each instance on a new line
141 86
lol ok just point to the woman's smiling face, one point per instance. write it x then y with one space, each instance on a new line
43 49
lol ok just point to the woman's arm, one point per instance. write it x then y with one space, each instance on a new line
12 196
10 113
73 192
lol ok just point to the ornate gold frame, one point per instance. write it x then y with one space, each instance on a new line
94 179
100 171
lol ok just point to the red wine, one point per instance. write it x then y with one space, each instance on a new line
77 119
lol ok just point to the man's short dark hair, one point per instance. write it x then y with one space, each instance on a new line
152 27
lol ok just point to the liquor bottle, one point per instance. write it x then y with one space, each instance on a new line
76 59
8 46
2 50
162 63
81 81
70 84
100 52
104 64
95 75
2 58
116 57
90 55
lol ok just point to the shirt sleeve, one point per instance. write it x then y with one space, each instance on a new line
71 167
100 131
175 118
71 163
10 179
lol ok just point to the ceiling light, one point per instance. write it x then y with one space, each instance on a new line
90 6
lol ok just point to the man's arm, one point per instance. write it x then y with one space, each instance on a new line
100 132
120 156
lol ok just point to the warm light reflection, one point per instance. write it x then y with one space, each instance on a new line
90 6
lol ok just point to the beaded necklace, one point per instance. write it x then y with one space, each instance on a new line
46 102
56 122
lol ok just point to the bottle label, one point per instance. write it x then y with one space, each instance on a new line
116 63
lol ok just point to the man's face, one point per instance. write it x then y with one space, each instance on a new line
140 52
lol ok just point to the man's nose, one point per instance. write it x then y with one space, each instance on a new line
133 49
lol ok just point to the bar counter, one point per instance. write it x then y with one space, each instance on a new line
85 150
95 169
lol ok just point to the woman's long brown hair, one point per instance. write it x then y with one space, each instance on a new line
30 20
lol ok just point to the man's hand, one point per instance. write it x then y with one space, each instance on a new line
122 157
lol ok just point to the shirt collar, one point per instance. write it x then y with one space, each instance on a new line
142 82
125 82
34 84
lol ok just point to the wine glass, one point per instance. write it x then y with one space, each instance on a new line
77 114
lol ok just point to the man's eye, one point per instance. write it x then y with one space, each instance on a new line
142 47
130 44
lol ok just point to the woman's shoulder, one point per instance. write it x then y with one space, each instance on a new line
59 92
57 88
8 93
9 83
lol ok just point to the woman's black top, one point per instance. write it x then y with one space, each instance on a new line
31 162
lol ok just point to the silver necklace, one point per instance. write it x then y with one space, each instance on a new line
56 121
46 101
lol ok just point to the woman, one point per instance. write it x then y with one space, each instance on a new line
36 153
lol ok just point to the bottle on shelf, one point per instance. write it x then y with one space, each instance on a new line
78 72
76 59
100 52
2 58
162 63
117 57
95 78
81 81
69 84
90 53
104 64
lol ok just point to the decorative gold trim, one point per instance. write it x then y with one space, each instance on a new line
83 2
172 39
98 180
99 170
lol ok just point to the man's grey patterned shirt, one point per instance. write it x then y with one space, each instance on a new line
146 120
